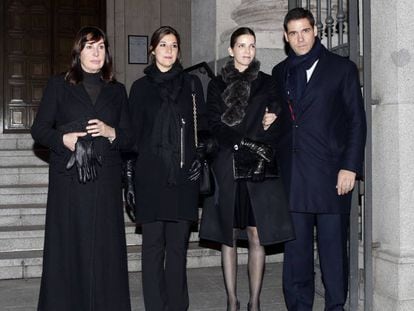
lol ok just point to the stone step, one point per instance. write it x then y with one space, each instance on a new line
13 157
26 238
28 264
23 175
31 214
16 141
23 194
22 215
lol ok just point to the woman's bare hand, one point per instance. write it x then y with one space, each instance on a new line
268 119
70 139
99 128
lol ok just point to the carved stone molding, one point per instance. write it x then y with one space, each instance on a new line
265 17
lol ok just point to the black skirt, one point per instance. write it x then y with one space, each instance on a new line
243 212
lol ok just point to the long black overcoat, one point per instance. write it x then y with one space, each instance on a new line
268 198
327 135
84 261
155 199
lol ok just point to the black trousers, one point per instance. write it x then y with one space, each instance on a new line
298 265
164 260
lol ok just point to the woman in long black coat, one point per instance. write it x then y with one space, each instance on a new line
166 197
236 102
83 119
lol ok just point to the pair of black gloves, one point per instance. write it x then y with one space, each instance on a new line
263 154
84 158
208 147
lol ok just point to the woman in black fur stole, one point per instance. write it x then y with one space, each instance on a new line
249 197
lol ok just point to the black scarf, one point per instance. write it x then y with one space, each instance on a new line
237 92
297 65
165 139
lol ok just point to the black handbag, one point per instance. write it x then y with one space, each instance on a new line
245 162
206 178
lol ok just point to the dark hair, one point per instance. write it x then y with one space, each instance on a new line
84 35
158 35
239 32
298 13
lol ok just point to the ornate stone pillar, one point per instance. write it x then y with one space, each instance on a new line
265 17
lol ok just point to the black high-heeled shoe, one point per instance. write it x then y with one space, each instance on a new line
237 306
249 307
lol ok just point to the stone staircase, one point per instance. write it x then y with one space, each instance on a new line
23 193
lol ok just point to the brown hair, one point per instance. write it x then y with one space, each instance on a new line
84 35
239 32
158 35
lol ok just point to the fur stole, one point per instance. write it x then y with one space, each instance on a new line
237 92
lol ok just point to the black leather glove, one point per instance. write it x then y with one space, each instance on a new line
129 188
259 171
207 141
264 151
85 160
93 160
195 169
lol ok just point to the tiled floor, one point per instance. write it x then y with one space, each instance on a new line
205 285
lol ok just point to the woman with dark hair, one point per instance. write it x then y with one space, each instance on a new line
250 197
83 118
166 169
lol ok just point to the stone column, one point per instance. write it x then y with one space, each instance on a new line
265 17
393 153
115 28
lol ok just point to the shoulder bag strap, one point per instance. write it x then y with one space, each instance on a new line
193 95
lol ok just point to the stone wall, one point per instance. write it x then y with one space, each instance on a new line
214 21
393 150
205 28
131 17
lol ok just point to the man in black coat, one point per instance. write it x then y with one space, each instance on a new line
321 155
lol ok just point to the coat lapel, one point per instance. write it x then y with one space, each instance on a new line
105 97
79 92
311 86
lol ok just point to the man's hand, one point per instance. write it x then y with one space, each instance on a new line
345 182
268 119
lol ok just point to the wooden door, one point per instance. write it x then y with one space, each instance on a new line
37 37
